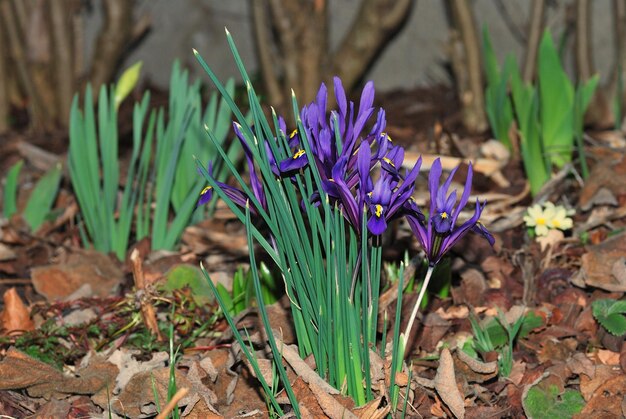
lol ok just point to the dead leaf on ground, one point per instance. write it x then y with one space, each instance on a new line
474 370
607 177
604 265
603 373
608 357
137 397
16 316
606 400
42 380
97 271
445 384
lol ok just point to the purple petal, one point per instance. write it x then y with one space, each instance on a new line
377 224
205 196
294 163
347 200
340 95
433 186
367 98
466 193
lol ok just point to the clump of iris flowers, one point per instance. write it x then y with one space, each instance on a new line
361 173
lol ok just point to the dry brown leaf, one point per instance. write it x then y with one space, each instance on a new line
445 384
87 269
15 317
579 364
608 357
137 397
302 369
603 373
373 410
331 407
19 371
453 312
606 400
476 365
603 265
550 240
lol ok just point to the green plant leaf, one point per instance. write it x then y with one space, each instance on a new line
556 94
541 403
10 190
497 101
526 103
127 82
182 276
42 197
610 314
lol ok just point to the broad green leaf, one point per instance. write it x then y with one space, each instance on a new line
182 276
610 314
497 102
541 403
10 189
127 82
42 197
526 102
556 95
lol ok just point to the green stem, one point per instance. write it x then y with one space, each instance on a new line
409 326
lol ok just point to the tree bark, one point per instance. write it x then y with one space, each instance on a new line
112 40
300 36
4 87
377 22
584 57
535 29
63 57
15 42
471 95
263 40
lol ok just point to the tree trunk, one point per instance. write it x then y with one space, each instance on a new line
377 22
584 57
471 95
535 29
112 40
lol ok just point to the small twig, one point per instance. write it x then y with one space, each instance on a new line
173 403
147 310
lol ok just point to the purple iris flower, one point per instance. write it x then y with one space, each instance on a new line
439 232
384 200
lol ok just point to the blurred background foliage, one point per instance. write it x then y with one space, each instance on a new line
50 50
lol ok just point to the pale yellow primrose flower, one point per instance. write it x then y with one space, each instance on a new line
547 218
537 217
561 220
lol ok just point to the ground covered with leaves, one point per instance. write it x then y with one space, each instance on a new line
533 327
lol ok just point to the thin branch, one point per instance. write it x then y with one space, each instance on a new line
535 28
36 110
510 22
472 99
4 85
584 57
263 38
63 58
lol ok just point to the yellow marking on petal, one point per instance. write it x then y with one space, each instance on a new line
370 194
205 190
293 133
379 210
299 153
388 161
444 215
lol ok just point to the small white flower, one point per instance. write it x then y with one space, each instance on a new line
549 217
537 217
